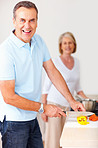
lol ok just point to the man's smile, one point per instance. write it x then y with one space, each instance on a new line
26 31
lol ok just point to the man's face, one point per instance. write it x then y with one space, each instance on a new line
25 23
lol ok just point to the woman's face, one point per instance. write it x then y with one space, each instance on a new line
67 45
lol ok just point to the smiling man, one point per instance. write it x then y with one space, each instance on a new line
25 22
22 57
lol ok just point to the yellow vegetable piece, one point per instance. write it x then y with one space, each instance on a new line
82 120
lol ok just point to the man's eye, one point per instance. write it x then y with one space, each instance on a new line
32 20
22 20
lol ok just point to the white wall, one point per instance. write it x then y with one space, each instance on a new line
57 16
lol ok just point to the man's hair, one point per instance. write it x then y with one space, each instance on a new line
26 4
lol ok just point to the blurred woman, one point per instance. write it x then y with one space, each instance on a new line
69 68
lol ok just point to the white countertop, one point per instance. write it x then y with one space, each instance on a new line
75 135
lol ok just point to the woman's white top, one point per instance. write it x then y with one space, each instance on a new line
72 78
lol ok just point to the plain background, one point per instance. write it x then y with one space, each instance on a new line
56 17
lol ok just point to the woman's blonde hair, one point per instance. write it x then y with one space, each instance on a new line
69 35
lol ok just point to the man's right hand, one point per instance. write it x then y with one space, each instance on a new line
53 111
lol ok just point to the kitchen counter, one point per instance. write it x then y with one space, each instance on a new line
75 135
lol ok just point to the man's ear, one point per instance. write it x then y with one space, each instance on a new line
14 22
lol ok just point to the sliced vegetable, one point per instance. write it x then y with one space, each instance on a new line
82 120
93 118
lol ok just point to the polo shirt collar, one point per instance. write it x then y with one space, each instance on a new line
18 42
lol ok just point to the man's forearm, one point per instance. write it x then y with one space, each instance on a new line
59 82
22 103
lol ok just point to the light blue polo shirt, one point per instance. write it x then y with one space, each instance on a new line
22 62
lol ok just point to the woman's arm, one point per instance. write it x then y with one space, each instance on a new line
81 93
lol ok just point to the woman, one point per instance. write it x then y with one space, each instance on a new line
69 68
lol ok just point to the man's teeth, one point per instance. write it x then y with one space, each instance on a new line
26 31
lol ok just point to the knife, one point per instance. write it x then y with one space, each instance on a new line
78 113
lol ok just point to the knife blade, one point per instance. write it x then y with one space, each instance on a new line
75 114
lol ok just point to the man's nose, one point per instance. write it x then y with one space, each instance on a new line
27 24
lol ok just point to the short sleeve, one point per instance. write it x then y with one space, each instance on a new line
6 66
42 46
46 52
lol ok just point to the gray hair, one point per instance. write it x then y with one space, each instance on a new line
26 4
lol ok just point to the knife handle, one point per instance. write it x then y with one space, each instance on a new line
64 111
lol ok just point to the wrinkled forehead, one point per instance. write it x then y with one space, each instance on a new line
26 12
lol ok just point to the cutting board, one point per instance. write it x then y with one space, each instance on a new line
71 120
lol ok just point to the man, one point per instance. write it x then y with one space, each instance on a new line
22 57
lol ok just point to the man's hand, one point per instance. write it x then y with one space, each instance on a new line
77 106
53 111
